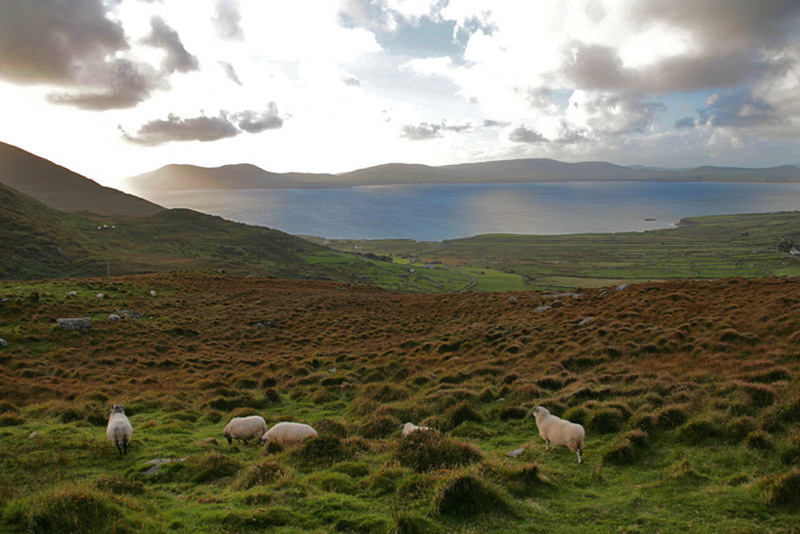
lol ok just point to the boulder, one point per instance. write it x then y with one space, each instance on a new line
75 323
3 343
130 314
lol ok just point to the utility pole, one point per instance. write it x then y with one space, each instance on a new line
105 229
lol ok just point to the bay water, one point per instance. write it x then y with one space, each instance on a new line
434 212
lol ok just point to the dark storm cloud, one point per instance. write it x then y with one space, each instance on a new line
178 58
253 122
122 84
686 122
57 41
738 109
521 134
174 128
230 72
203 128
227 20
421 132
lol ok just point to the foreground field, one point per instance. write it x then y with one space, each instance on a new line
689 392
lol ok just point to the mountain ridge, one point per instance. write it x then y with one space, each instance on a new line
525 170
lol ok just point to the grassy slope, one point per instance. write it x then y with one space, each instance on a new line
690 393
63 189
703 247
41 242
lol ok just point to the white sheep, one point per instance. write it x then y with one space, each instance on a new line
119 429
72 294
244 428
152 292
408 428
559 432
288 433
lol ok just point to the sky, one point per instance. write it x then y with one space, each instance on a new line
114 88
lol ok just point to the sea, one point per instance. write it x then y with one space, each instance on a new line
435 212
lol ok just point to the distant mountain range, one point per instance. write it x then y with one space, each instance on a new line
244 176
63 189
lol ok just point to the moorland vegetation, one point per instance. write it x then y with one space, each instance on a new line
689 392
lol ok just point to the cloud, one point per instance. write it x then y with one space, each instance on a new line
43 44
421 132
738 109
122 84
252 122
203 128
178 58
520 134
605 113
227 20
491 123
230 72
351 81
685 122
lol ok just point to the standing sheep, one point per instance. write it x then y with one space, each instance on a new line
408 428
244 428
119 429
559 432
288 433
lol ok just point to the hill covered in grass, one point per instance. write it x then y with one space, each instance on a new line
63 189
689 393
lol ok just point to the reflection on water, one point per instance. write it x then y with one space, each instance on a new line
437 212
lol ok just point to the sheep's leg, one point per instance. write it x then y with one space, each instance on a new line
116 442
126 447
547 444
580 456
245 441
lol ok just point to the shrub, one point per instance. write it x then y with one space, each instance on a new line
759 440
784 490
463 411
213 466
119 485
261 473
467 496
321 451
11 419
699 431
604 420
380 427
671 417
67 511
513 412
331 427
425 451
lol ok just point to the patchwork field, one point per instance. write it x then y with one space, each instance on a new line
689 393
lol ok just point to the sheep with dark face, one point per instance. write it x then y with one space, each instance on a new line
559 432
119 429
244 428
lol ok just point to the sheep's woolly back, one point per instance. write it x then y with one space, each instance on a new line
557 431
287 433
408 428
245 428
119 429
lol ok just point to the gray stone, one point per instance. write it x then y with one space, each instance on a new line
130 314
114 317
75 323
156 464
541 309
516 453
33 435
3 343
586 321
622 287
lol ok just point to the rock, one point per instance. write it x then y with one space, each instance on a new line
512 299
516 453
622 287
542 309
156 464
152 293
72 294
586 321
264 324
100 296
75 323
3 343
130 314
210 441
33 435
114 317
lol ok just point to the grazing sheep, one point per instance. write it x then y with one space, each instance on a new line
244 429
288 433
559 432
408 428
100 296
119 429
152 292
72 294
